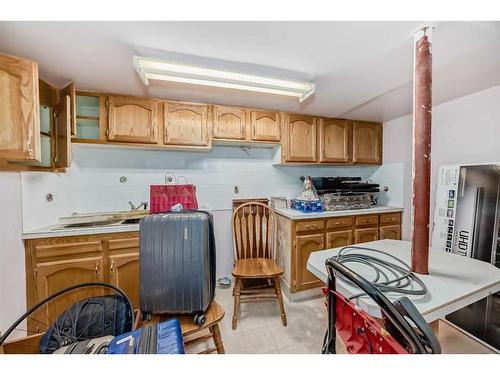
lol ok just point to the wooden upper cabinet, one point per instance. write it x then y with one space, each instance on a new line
132 120
300 134
265 126
19 109
335 140
186 124
229 123
367 142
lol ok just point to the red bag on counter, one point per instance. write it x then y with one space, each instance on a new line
163 197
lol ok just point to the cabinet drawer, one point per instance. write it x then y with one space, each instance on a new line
309 225
394 218
65 247
339 222
366 220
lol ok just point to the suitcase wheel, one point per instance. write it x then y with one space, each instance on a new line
145 316
199 319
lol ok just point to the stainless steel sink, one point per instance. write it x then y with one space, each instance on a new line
93 224
131 221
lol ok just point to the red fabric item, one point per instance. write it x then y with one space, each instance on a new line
163 197
360 332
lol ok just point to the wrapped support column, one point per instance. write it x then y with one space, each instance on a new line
422 116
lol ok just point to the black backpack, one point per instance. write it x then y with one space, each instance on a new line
93 317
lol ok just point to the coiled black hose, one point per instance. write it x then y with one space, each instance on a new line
390 276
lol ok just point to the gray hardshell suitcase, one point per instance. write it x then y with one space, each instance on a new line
177 263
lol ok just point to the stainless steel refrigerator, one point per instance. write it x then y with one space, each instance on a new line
466 223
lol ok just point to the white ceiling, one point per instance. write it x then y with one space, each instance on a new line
362 70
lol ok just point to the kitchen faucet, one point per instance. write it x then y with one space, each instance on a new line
133 207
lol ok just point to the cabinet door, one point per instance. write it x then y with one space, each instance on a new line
390 232
63 132
19 109
300 138
186 124
367 142
335 140
365 235
338 239
124 266
229 123
50 277
124 273
305 245
265 126
132 120
70 91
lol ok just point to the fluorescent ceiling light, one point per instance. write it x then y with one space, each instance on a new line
169 71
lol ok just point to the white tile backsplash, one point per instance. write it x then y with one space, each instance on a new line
92 184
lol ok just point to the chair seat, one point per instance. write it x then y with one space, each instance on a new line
256 268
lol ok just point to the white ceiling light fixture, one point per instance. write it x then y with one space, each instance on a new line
168 71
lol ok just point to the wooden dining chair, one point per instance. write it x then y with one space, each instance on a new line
254 239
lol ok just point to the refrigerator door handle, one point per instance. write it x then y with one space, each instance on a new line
476 226
461 182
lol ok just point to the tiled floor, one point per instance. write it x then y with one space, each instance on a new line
260 330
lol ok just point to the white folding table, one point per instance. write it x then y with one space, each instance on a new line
453 281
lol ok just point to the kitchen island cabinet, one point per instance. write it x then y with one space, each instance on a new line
300 235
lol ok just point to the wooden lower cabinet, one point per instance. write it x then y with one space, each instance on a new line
124 266
390 232
337 239
304 246
297 239
365 235
52 276
53 264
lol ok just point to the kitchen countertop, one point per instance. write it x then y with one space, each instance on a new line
453 281
298 215
57 231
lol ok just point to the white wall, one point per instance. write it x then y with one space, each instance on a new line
466 130
92 184
12 275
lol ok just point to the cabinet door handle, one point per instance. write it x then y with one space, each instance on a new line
112 267
97 273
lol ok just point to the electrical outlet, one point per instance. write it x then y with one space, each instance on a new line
236 190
